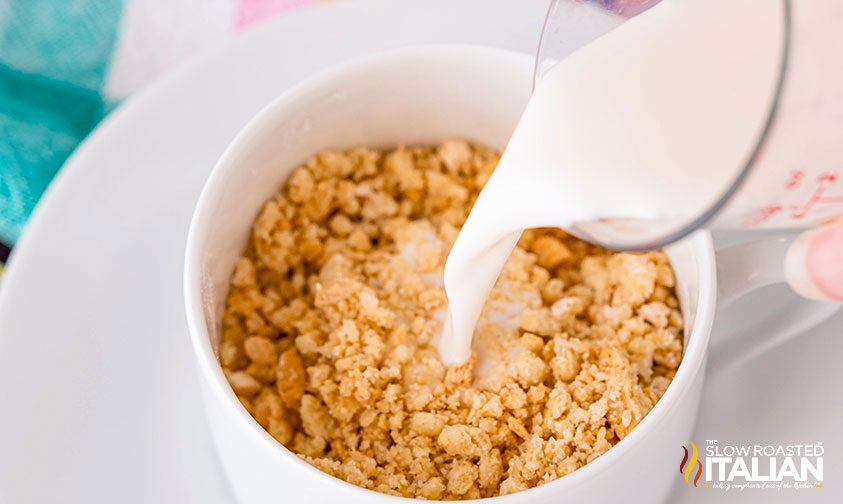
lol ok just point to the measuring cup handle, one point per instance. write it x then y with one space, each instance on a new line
742 269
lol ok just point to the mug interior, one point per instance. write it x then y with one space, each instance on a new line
411 96
421 95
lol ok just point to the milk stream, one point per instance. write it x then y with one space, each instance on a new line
651 121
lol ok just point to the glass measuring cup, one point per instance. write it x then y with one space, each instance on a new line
750 196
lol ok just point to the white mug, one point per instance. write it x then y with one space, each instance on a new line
423 95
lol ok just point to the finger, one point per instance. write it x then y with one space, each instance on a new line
814 263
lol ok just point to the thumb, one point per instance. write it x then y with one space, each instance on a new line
814 263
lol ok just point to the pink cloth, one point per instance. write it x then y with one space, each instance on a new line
250 11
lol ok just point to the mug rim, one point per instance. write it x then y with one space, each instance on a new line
212 372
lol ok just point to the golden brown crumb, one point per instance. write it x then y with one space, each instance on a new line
328 328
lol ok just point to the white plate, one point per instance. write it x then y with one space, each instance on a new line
98 395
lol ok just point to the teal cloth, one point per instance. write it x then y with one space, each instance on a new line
54 57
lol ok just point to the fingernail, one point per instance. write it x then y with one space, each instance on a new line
814 263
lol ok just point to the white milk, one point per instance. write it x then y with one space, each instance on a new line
651 121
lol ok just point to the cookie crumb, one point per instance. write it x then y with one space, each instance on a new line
329 322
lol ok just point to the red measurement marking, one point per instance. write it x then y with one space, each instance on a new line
824 180
794 179
763 214
827 177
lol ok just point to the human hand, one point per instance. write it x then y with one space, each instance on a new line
814 263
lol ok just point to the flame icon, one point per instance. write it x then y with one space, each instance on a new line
687 470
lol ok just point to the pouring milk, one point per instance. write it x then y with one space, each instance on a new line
653 122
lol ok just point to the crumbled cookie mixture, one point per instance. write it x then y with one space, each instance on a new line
327 334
